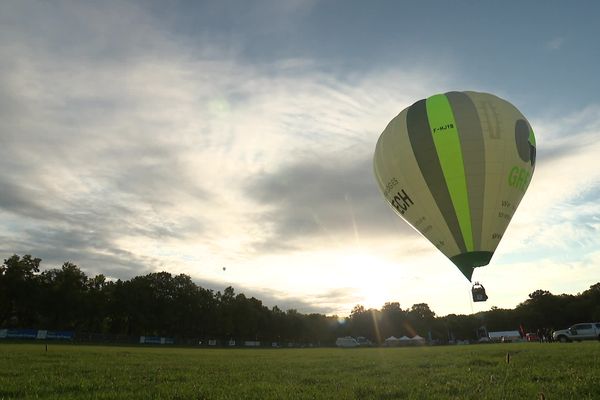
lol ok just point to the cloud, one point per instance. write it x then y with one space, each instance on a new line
87 152
329 199
327 302
559 209
129 147
554 44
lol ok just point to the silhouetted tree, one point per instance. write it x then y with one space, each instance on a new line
19 291
393 320
161 304
64 293
421 319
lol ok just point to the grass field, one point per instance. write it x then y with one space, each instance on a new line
560 371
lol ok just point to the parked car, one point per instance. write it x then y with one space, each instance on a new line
578 332
532 337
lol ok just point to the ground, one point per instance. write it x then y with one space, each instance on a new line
68 371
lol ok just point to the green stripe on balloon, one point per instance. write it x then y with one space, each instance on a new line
531 137
421 141
447 144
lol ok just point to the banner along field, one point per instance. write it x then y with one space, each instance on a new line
494 371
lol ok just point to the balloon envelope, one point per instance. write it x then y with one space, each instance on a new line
455 166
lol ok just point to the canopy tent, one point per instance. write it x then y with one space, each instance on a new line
391 341
403 341
506 335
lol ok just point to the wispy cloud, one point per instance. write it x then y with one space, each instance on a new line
116 152
127 147
555 43
564 189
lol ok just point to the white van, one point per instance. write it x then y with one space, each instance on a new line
347 341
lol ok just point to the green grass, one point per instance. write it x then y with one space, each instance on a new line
560 371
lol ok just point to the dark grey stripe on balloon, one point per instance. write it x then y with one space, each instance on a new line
522 140
419 133
473 153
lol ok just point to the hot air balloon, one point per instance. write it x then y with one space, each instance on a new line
455 167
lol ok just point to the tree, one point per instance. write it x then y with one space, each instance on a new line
321 329
295 329
96 305
393 320
365 323
499 319
225 315
421 319
19 291
64 293
165 305
461 327
592 296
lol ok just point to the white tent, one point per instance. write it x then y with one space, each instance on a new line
391 341
504 335
418 339
404 341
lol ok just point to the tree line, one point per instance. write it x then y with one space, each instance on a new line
162 304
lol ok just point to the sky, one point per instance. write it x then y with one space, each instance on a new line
233 141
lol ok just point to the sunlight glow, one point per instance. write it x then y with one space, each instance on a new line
372 277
